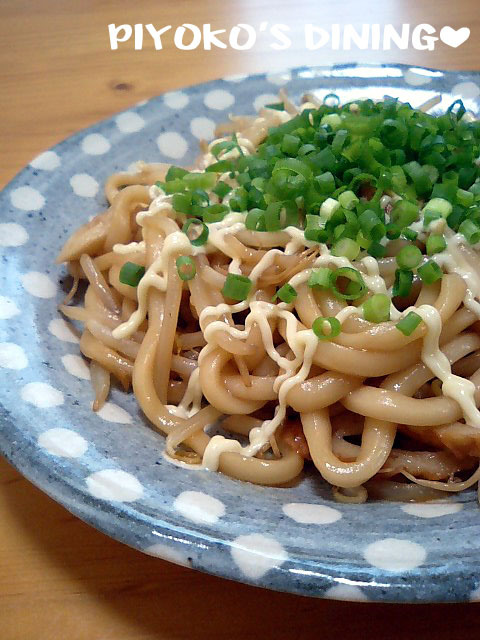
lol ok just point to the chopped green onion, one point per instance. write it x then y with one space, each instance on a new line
446 191
255 220
320 278
376 250
278 106
362 240
339 141
225 146
409 257
236 287
356 288
290 144
222 166
326 328
294 165
470 230
402 284
429 217
329 207
325 183
176 185
221 189
377 308
215 213
333 120
419 176
131 274
331 99
182 202
348 200
435 244
286 293
393 133
185 267
272 216
404 213
346 247
199 180
200 198
371 225
239 199
175 173
315 229
409 323
189 230
465 198
392 231
439 206
430 272
409 234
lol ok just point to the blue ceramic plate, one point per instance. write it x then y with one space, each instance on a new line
108 468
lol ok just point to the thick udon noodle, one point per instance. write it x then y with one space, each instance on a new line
193 360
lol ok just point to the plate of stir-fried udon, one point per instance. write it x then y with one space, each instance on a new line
247 340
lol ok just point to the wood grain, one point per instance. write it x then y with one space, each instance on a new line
58 577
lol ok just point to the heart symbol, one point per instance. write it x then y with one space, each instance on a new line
454 37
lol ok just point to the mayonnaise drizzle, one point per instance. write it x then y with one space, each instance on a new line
191 401
131 247
453 386
303 344
176 243
454 261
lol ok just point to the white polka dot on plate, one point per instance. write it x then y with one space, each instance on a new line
202 128
393 554
129 122
348 592
239 77
84 185
115 485
255 554
172 145
38 284
76 366
218 99
432 509
176 99
311 513
165 552
46 161
42 395
466 90
415 77
280 78
12 356
64 443
199 507
8 308
27 199
12 235
59 328
95 144
263 99
113 413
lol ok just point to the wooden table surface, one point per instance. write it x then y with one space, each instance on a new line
59 578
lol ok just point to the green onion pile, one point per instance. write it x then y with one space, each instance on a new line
326 171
